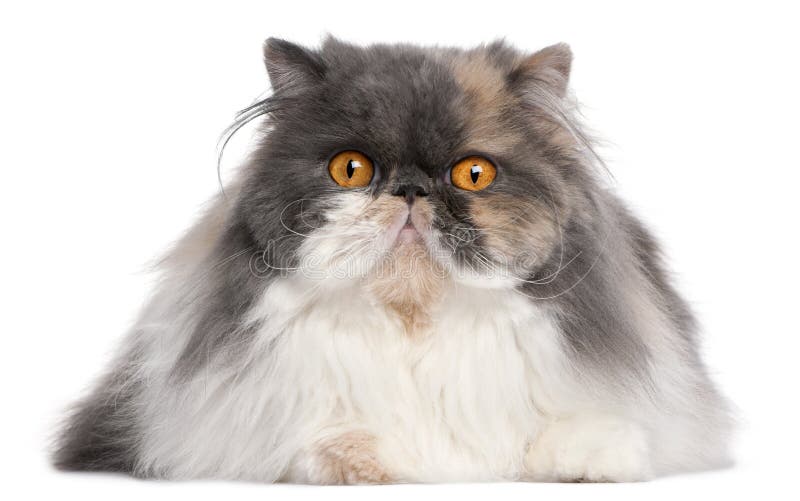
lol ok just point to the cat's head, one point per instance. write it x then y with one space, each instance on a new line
413 161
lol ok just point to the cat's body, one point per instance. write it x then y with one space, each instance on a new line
305 332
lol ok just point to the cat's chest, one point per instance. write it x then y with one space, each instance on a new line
467 383
478 348
459 319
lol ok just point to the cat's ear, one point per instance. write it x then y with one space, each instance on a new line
549 66
291 68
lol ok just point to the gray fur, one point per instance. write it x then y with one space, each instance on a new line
404 108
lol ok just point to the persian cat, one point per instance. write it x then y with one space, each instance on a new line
419 275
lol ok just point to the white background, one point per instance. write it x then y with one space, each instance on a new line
109 116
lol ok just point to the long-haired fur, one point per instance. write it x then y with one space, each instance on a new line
527 331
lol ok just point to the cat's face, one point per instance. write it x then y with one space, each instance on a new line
431 162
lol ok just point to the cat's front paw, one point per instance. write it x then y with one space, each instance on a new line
348 458
590 449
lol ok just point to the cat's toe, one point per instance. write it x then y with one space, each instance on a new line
349 458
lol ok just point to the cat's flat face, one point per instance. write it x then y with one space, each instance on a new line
435 161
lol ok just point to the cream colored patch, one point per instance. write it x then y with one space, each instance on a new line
518 232
351 459
408 280
488 102
383 210
409 283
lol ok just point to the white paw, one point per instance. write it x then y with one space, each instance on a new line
592 448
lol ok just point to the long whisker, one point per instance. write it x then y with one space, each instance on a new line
600 253
263 107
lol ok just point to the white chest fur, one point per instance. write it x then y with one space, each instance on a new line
459 402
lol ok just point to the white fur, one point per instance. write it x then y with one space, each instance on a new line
488 393
593 447
456 405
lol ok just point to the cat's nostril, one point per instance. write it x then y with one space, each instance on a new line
410 192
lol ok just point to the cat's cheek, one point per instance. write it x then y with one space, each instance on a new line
348 244
519 235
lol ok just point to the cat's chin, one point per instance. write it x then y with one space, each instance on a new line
408 234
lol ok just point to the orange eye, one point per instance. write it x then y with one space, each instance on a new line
473 173
351 169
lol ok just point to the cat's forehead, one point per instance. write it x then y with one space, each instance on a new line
424 102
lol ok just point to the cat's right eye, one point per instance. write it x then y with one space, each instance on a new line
351 169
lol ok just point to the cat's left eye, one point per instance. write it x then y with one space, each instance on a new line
351 169
473 173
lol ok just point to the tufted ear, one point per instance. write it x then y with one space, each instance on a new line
550 66
291 68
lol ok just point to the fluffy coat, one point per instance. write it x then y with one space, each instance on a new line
524 332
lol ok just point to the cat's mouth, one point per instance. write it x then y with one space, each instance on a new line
408 233
409 226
